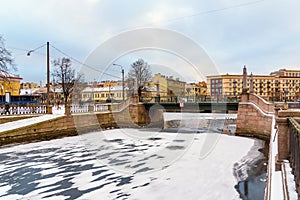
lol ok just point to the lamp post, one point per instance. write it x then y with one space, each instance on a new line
49 110
122 80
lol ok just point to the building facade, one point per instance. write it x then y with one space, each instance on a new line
278 86
9 83
173 87
103 94
196 92
28 85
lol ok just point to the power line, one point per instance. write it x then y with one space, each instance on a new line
91 67
217 10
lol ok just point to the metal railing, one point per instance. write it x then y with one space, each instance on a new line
190 99
294 128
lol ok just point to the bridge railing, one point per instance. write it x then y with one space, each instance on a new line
294 127
76 108
266 106
22 110
188 99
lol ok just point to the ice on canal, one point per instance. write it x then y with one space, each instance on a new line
126 164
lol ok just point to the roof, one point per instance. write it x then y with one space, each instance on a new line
4 74
104 89
152 89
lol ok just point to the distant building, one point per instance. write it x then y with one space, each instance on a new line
102 84
149 93
9 83
278 86
28 85
102 94
174 87
196 91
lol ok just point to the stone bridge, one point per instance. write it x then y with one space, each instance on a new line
205 107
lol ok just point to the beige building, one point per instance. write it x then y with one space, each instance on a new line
102 94
278 86
149 94
174 87
28 85
196 92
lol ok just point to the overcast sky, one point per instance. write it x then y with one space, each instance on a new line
264 35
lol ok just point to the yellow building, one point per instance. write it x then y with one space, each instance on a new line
278 86
173 87
196 91
9 83
28 85
150 93
102 94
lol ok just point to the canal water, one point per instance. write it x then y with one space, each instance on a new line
135 164
252 182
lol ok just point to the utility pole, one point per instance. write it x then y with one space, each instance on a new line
48 107
123 87
49 110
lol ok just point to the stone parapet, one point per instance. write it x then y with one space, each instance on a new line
284 131
254 117
266 106
252 122
133 116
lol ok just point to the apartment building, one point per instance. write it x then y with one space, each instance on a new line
173 86
278 86
102 94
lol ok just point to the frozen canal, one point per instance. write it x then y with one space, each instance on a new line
127 164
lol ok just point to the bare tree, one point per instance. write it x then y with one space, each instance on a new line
140 72
6 59
65 75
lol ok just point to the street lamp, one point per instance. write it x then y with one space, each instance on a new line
49 111
122 79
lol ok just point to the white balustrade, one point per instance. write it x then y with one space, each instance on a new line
23 110
75 108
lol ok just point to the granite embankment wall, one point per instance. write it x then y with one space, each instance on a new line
254 117
69 125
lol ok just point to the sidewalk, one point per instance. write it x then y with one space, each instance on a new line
30 121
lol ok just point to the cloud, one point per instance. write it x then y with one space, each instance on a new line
263 35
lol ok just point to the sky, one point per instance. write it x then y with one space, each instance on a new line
264 35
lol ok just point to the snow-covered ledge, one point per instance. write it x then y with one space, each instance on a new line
280 184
